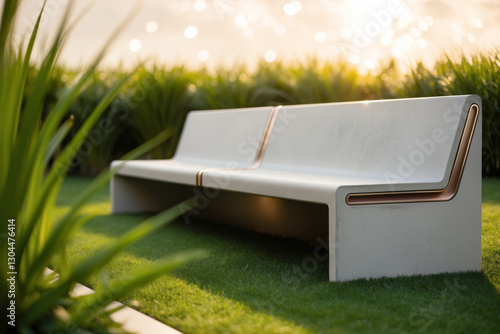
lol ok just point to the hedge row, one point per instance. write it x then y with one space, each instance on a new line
157 98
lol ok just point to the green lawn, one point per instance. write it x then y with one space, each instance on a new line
254 283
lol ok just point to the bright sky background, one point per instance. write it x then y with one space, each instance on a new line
225 32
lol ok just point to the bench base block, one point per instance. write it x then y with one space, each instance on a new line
276 216
410 238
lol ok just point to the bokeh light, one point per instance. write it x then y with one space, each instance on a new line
152 27
370 64
200 6
203 55
241 21
365 33
270 56
320 37
191 32
135 45
292 8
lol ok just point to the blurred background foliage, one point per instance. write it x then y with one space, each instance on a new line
158 97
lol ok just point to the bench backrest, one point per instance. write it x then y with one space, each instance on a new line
223 137
395 140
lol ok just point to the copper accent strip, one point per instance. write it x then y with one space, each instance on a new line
441 195
260 151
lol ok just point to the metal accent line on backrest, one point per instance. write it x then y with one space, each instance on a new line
439 195
260 150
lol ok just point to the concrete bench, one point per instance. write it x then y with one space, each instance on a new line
200 147
394 185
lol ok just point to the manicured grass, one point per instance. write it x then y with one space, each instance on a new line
254 283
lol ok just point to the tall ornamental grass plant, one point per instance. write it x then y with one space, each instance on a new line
30 180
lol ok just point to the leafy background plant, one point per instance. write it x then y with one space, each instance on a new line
235 88
157 96
479 74
32 130
316 82
157 99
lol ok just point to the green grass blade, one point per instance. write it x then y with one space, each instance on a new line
59 169
25 159
63 230
56 141
99 259
138 278
8 14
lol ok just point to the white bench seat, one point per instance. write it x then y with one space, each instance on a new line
395 184
164 170
210 140
284 184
